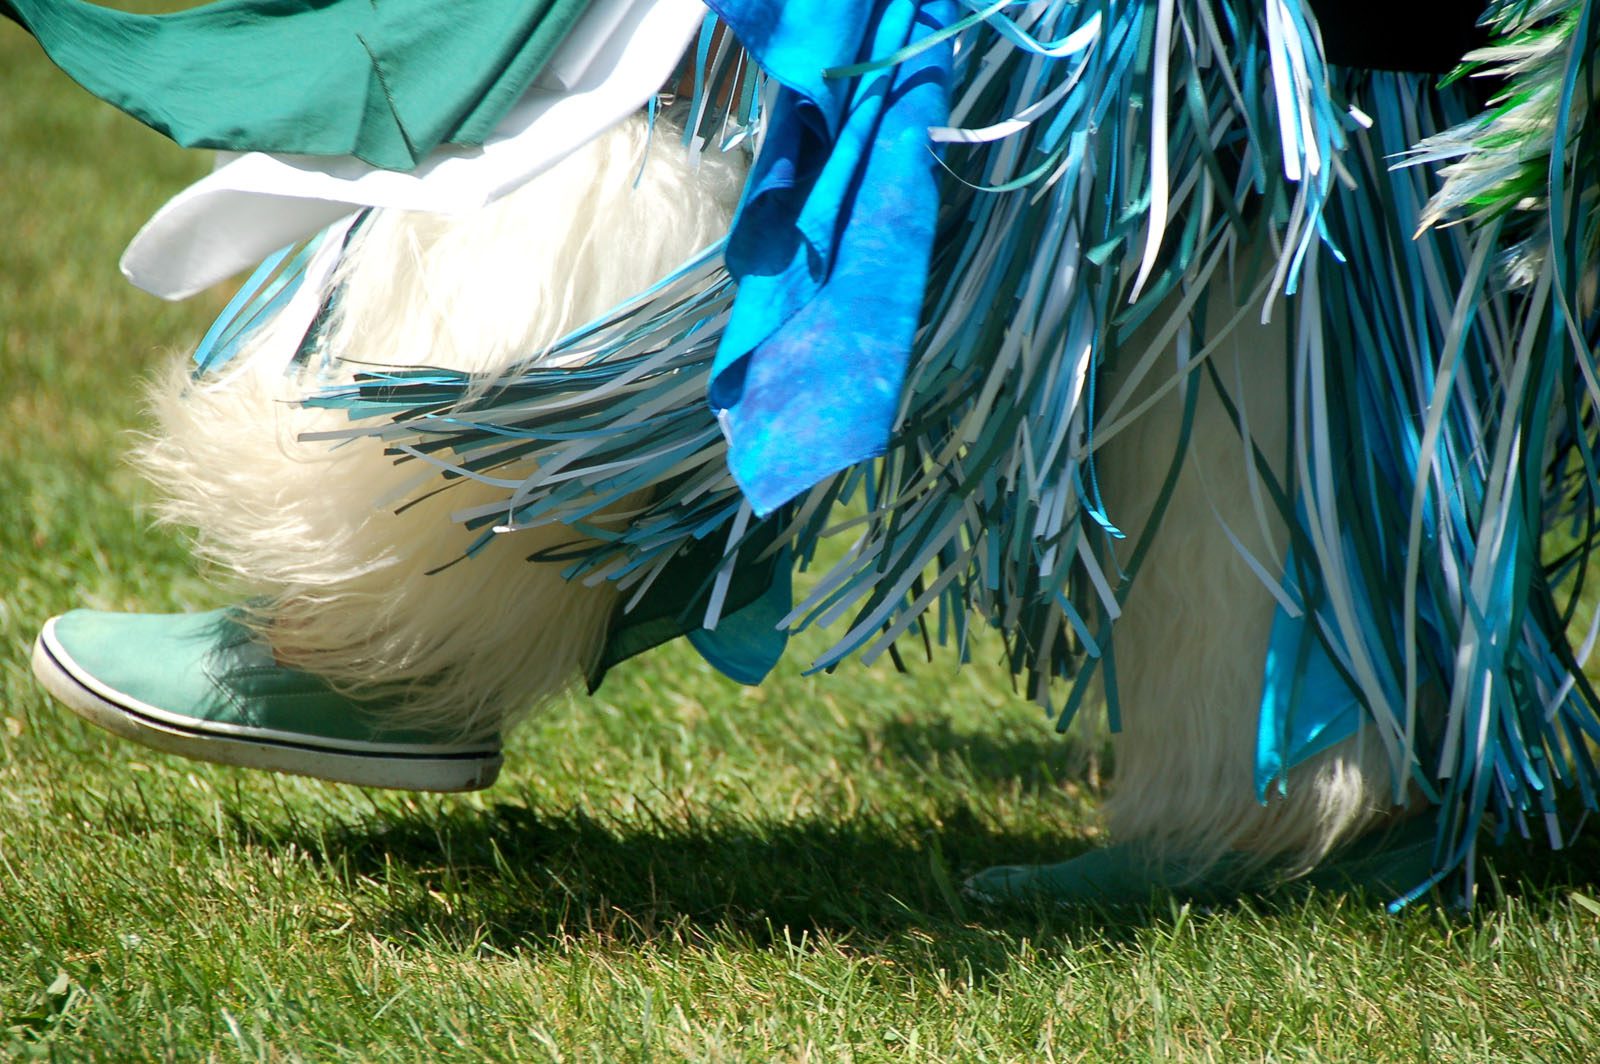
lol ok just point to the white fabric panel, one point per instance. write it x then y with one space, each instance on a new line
617 57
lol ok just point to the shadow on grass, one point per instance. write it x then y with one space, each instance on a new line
1034 762
514 877
518 875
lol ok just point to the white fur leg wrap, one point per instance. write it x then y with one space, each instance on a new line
1192 638
345 573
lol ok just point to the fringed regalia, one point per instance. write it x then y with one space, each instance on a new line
959 213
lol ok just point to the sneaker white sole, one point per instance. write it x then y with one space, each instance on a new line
74 688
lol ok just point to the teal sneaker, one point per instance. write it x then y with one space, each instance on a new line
203 686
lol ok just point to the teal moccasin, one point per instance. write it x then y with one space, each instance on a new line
1123 874
1385 863
203 686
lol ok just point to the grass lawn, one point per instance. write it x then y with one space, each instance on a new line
678 868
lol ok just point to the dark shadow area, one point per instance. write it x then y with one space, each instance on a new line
1524 868
516 876
1045 761
521 875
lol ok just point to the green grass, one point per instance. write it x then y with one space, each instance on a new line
676 869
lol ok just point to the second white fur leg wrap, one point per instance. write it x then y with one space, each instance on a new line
1192 639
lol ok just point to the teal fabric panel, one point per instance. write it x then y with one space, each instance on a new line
748 643
384 81
1307 706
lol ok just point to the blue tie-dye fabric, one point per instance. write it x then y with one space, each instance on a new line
832 241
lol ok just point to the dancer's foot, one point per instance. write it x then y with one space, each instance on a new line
202 686
1386 863
1124 874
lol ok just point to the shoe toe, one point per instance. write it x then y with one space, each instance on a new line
148 660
